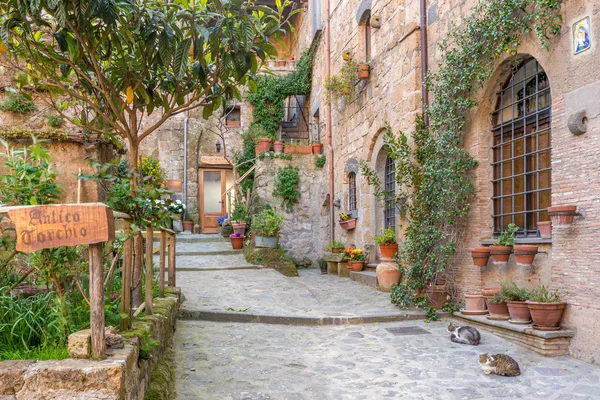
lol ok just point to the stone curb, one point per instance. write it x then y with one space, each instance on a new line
218 316
218 268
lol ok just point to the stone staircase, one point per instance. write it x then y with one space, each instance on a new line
206 252
366 277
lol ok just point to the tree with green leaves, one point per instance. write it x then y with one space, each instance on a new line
121 68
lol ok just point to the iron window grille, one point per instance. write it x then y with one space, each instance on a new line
390 194
521 151
352 191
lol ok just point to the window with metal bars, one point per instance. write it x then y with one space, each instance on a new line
352 191
521 151
389 214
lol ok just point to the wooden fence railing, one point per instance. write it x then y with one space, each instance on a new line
50 226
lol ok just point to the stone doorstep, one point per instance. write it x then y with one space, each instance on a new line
548 343
368 278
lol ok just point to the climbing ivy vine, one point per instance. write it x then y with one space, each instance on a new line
435 174
286 186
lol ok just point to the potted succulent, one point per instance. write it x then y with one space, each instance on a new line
546 308
347 222
356 259
278 147
237 240
239 218
524 254
388 245
481 256
545 228
265 226
516 300
562 215
336 247
503 246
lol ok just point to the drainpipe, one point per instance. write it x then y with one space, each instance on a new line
424 93
185 129
328 121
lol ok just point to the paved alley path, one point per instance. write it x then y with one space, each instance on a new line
294 357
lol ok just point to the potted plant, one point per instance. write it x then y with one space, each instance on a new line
363 71
317 148
388 245
237 240
496 304
264 144
278 147
524 254
437 294
481 256
545 229
336 247
188 225
176 208
546 308
503 246
516 300
239 217
233 120
347 222
356 259
265 226
474 303
562 215
342 85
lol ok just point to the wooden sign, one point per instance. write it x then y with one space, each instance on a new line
50 226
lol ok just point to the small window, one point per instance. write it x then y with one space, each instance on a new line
352 191
390 194
233 116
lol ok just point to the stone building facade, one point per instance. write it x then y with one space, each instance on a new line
566 170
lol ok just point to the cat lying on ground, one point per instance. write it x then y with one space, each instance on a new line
464 334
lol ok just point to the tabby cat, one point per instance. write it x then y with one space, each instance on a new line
499 364
464 334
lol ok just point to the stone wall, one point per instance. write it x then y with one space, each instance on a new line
304 235
122 376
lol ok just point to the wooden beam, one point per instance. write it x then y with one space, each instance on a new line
97 301
149 270
161 269
127 274
172 250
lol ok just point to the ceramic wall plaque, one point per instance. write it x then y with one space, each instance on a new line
582 38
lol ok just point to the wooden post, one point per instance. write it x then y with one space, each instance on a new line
127 274
172 250
97 301
161 269
149 270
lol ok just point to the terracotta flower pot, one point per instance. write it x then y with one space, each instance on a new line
474 302
545 228
317 148
234 123
237 242
188 225
388 274
278 147
348 224
356 265
436 295
562 215
239 226
481 256
264 145
363 71
524 254
546 315
500 254
497 310
519 312
490 291
281 63
337 251
388 251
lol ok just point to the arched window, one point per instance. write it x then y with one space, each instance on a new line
352 191
521 150
389 216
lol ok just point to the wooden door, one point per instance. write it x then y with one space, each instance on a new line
211 203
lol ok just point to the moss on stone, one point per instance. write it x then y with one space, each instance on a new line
162 378
270 258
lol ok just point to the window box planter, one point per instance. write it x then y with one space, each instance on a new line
290 149
562 215
363 71
519 312
524 254
234 123
269 242
546 316
278 147
500 254
348 224
237 242
317 148
545 228
481 256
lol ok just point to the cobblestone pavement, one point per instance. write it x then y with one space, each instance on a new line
267 292
256 361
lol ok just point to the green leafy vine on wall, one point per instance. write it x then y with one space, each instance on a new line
286 186
435 175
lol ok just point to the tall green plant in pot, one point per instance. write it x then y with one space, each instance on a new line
239 218
503 246
388 246
546 308
266 226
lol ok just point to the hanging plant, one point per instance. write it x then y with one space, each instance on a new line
342 85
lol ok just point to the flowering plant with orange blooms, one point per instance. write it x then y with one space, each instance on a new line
354 254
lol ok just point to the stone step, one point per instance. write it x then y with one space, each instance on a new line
370 267
211 263
368 278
